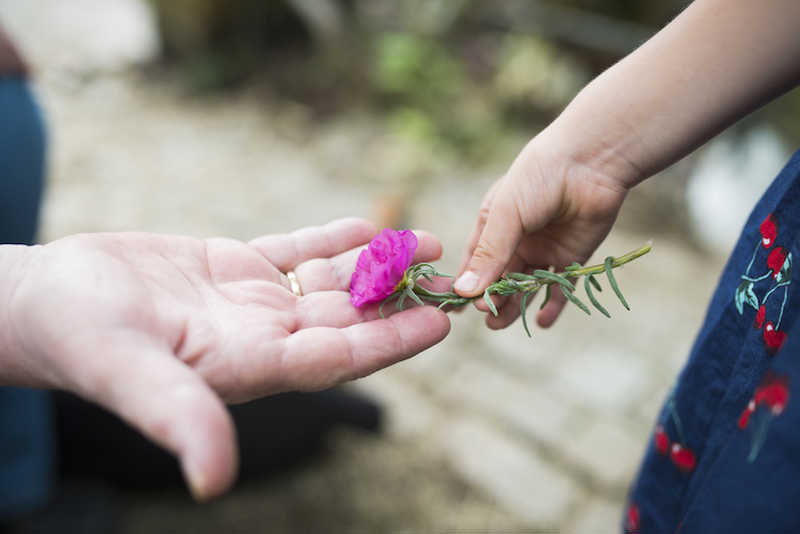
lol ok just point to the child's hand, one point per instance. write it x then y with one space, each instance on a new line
548 210
711 65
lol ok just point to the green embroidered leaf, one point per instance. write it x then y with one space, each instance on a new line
745 294
613 282
595 303
575 300
759 435
786 270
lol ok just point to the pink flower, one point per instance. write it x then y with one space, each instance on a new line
381 266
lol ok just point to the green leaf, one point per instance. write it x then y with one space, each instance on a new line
575 300
523 307
413 296
489 302
613 282
573 267
554 277
400 301
520 276
547 292
594 282
593 300
387 299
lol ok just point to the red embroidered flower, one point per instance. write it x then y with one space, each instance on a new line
381 266
760 316
632 520
776 259
744 419
774 393
769 231
683 458
773 339
661 440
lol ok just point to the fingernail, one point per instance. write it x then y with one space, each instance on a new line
196 481
466 283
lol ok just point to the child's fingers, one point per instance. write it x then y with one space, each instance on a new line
548 315
496 246
506 315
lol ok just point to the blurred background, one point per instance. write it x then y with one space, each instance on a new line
211 117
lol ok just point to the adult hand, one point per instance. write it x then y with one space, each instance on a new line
162 329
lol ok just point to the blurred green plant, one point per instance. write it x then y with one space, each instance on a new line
462 77
415 68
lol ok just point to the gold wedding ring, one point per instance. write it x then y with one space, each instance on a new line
294 284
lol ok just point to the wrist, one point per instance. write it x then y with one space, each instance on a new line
589 140
13 265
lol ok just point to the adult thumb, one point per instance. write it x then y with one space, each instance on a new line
170 404
496 246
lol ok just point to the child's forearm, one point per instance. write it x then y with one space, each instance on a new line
716 62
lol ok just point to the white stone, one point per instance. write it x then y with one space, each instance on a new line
598 516
409 413
508 471
518 402
607 451
605 378
83 35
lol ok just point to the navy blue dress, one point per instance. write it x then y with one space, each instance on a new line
725 453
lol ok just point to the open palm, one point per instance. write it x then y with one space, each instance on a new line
162 329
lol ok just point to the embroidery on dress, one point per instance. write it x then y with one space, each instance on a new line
768 402
632 519
679 453
779 274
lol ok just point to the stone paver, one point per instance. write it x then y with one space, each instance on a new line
598 516
604 378
521 481
607 452
483 388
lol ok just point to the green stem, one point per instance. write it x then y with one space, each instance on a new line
530 285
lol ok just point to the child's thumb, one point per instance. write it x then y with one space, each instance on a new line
496 246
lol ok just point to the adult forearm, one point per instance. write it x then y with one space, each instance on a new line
13 368
716 62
